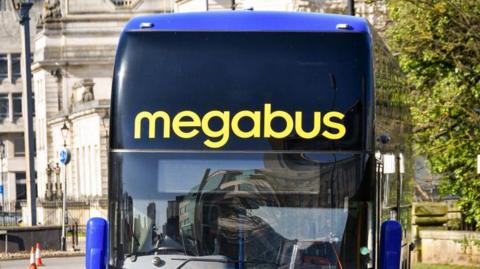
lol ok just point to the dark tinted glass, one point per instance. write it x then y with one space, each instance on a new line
225 71
3 5
3 66
4 109
17 105
19 146
16 66
20 180
263 210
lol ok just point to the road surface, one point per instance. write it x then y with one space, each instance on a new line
50 263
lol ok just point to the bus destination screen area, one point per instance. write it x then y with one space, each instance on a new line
241 91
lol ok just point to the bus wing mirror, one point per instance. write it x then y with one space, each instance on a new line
390 244
96 250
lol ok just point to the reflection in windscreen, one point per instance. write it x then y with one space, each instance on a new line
255 210
305 223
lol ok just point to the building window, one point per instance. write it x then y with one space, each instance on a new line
3 106
3 5
3 65
33 104
17 105
16 70
19 146
21 185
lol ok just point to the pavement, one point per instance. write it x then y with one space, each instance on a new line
80 251
49 263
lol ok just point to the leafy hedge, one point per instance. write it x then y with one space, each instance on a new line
438 42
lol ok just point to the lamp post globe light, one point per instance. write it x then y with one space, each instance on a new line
64 158
22 11
65 132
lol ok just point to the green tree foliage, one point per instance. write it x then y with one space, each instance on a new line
438 42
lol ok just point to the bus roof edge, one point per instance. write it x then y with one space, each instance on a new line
248 21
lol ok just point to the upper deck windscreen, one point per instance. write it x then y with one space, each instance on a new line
240 90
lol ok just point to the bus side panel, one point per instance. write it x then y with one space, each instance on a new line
392 119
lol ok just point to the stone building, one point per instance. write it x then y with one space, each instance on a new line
12 161
72 70
375 11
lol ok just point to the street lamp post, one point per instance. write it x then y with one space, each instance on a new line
65 132
22 7
351 7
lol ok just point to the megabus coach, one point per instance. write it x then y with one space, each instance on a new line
255 140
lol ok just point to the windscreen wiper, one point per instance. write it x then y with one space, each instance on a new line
198 259
133 256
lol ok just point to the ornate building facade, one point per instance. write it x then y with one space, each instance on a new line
12 158
73 66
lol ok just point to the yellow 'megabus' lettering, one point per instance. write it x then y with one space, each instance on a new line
317 121
187 124
269 116
152 119
335 125
178 123
255 116
223 132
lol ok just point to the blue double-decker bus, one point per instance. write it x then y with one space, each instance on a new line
256 140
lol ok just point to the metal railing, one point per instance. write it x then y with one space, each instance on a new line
78 211
9 219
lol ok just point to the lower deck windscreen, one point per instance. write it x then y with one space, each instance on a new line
239 210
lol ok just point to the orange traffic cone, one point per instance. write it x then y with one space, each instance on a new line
32 259
38 256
